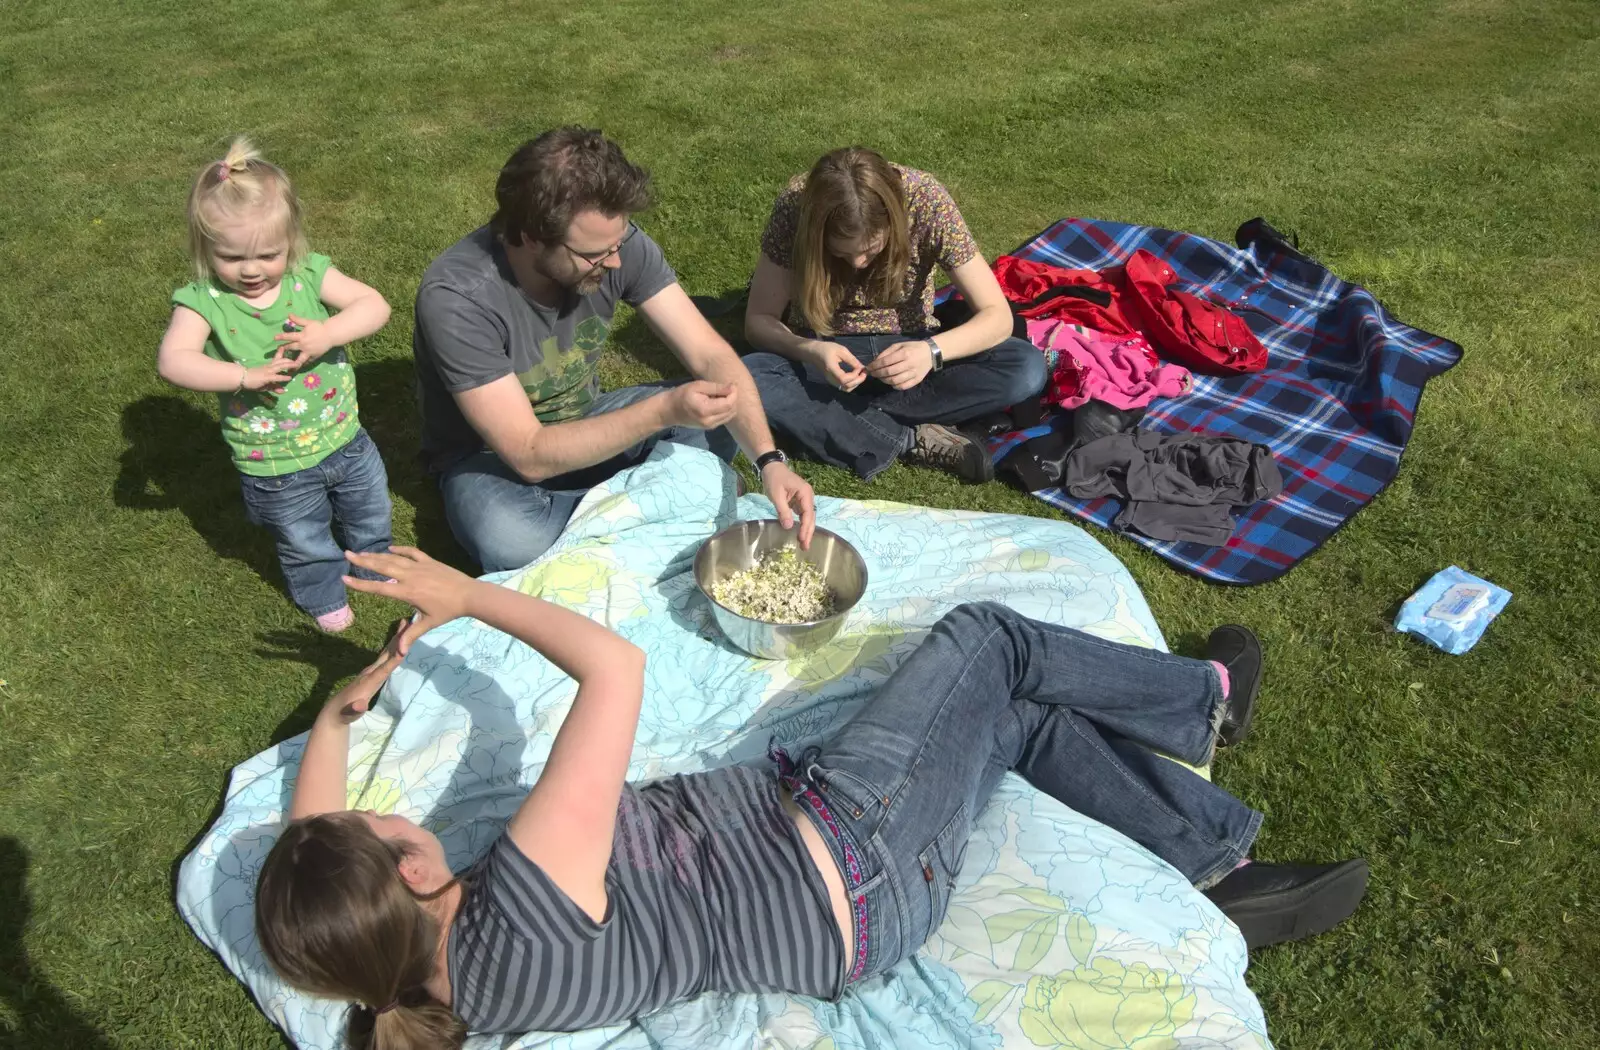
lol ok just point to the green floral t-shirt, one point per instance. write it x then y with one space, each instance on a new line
315 415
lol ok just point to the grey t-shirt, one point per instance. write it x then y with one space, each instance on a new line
474 324
710 888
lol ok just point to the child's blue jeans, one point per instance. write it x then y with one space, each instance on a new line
349 489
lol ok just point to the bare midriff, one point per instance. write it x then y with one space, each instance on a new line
832 878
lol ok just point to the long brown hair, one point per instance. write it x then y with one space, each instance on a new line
850 194
336 919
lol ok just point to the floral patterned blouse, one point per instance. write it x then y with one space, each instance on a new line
938 235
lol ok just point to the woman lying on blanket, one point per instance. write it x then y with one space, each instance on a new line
605 900
859 372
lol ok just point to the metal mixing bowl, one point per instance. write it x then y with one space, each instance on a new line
741 545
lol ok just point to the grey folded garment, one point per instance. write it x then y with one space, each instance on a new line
1176 486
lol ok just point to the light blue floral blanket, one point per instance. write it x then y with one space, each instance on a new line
1061 933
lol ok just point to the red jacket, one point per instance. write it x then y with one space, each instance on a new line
1137 300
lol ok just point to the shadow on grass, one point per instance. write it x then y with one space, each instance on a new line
334 658
388 393
176 460
44 1016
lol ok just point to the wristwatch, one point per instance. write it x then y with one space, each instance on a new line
775 456
938 355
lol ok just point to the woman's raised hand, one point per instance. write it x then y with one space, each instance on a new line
351 702
438 592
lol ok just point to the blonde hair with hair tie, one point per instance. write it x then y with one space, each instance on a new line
239 184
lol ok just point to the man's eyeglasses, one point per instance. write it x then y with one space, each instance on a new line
595 260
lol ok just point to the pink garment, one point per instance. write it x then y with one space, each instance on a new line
1121 370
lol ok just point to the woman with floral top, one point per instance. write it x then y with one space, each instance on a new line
859 372
254 328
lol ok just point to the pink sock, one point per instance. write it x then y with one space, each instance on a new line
1222 673
1242 862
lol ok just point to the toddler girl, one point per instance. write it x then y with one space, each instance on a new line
255 329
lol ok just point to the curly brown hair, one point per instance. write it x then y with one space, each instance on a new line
552 178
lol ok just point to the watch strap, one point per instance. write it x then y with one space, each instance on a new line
775 456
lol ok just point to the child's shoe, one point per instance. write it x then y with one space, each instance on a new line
338 620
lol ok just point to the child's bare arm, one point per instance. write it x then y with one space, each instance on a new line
361 311
182 360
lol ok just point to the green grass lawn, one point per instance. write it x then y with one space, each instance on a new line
1443 153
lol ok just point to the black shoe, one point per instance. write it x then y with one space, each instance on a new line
1096 419
1273 903
947 448
1237 649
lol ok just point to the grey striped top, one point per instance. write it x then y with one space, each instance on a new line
710 888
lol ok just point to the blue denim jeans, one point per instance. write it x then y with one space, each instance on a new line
505 522
348 490
989 691
866 429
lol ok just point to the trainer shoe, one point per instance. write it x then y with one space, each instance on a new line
1273 903
946 448
1237 649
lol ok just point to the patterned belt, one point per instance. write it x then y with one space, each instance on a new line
796 782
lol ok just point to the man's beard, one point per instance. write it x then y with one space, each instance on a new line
582 286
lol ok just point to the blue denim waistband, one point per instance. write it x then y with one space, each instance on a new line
839 843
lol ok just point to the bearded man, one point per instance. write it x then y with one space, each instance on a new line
510 324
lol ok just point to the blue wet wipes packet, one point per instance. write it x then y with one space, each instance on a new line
1452 610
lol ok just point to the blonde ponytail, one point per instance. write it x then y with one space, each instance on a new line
240 153
242 183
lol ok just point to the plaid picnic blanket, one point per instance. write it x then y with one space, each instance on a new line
1335 403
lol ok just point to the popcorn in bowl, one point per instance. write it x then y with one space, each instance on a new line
781 588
